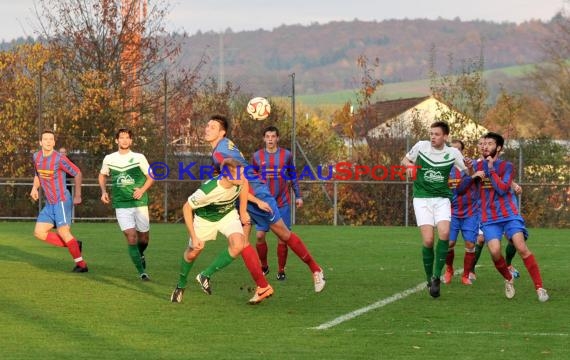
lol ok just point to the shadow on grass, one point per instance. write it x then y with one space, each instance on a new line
101 273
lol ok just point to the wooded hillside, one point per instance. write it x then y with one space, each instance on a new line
324 56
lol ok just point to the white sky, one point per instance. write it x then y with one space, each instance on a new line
16 16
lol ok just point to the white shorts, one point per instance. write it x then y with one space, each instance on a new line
133 218
430 211
208 230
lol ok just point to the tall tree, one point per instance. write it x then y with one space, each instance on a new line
110 51
551 78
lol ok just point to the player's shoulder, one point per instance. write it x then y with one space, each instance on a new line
138 155
423 144
454 151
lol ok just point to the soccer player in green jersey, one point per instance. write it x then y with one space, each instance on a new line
434 161
130 179
209 210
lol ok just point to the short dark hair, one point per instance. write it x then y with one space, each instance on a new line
457 141
499 140
222 120
271 129
442 125
125 131
47 131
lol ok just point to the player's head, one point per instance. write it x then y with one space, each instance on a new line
124 138
458 144
216 129
62 151
493 144
481 145
229 169
271 137
438 133
47 140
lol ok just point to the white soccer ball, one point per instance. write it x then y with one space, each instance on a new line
258 108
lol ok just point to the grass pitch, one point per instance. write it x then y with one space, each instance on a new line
47 312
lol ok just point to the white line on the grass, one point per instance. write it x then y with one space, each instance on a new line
376 305
498 333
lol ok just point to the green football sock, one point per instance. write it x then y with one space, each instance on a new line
510 253
427 255
478 250
185 268
136 258
223 260
440 254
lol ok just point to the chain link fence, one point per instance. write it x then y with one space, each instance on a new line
542 169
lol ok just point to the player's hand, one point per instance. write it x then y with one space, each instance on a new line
197 244
138 193
77 200
478 174
517 189
34 194
105 198
264 206
245 218
490 161
468 162
299 202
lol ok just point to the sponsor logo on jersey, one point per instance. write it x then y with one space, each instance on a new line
125 180
433 176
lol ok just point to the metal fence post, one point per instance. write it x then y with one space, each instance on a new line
335 205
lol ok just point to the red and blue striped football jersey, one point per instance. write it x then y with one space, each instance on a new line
278 170
465 202
52 170
498 202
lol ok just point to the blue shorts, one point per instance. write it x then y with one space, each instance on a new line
469 228
285 212
263 219
57 214
507 227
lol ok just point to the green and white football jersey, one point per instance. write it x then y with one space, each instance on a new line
212 201
127 172
435 166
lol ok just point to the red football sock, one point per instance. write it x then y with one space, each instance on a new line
533 270
251 261
262 252
468 262
501 266
73 248
299 248
449 258
55 239
282 256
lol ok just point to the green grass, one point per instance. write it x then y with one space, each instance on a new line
46 312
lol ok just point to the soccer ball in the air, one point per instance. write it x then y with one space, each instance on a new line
258 108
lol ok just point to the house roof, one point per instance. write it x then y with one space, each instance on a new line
386 110
382 111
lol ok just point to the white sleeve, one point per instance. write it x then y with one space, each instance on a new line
459 161
198 199
412 155
143 165
105 166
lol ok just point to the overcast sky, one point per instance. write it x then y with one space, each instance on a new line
218 15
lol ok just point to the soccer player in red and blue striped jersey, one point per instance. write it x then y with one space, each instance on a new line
51 168
465 218
500 214
276 166
260 200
